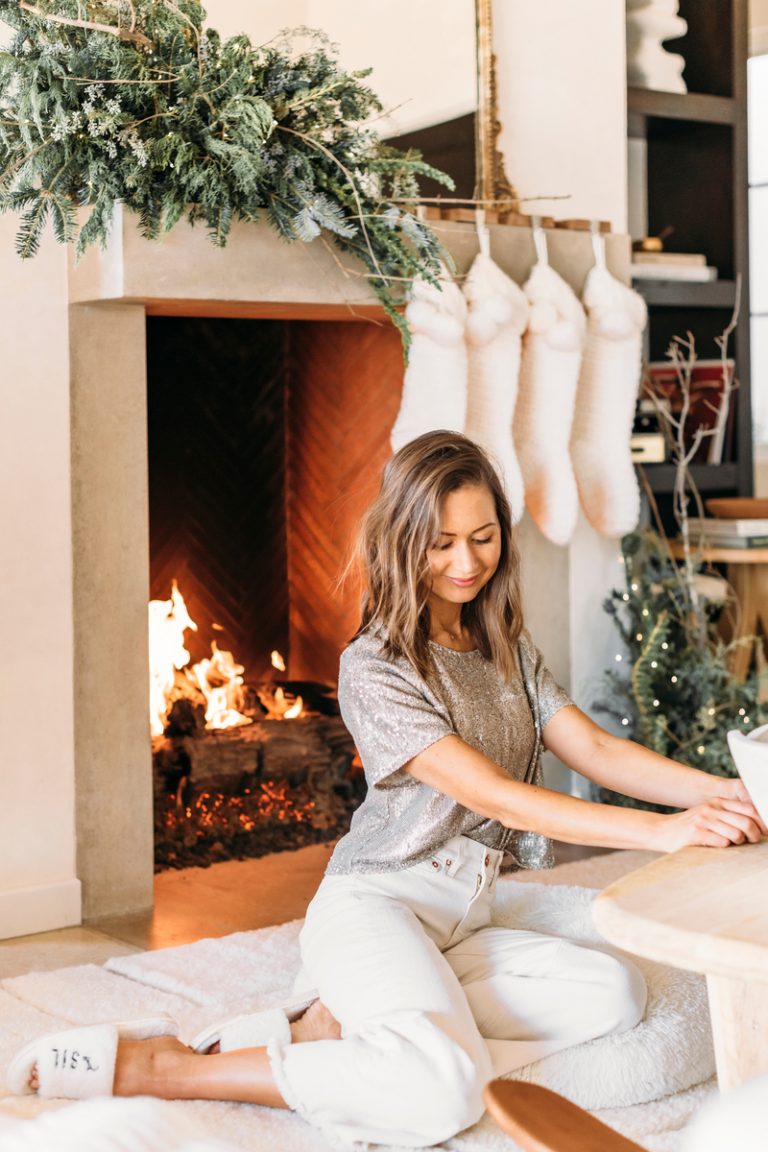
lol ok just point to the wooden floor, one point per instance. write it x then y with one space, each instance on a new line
237 896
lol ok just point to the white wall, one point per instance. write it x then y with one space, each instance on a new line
38 888
422 54
562 104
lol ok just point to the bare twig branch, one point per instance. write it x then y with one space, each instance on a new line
91 25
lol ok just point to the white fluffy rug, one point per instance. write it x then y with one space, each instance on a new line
648 1081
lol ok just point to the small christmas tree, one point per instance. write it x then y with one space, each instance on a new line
672 688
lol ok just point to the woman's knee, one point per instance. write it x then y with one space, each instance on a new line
443 1078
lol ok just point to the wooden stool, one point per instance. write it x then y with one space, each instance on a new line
748 576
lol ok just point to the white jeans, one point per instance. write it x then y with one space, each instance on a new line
433 1001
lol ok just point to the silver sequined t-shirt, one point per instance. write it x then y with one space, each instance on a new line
394 714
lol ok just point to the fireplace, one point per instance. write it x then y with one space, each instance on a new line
359 372
265 438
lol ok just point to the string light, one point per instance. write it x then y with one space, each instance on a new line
665 645
745 720
742 711
710 711
634 587
700 749
673 679
625 597
624 720
639 636
654 664
656 703
619 656
645 612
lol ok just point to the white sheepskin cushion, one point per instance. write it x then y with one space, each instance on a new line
498 316
549 372
669 1051
605 404
435 382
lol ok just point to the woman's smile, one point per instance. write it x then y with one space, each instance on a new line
466 554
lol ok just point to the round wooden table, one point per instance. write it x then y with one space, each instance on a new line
748 576
705 909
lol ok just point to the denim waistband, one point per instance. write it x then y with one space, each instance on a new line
461 852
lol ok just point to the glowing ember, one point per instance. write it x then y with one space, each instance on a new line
221 682
277 661
168 621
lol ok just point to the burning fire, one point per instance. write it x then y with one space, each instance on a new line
168 621
220 679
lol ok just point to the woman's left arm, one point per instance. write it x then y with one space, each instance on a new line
623 766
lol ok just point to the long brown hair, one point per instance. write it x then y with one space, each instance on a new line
403 523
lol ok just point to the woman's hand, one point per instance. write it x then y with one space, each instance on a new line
715 824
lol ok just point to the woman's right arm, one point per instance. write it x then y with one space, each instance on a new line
454 768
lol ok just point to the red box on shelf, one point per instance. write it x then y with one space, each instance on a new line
711 408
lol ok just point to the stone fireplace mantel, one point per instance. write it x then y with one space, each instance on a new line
108 296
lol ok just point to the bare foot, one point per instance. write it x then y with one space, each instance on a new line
149 1067
317 1023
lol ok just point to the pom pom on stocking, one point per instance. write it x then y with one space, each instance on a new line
605 404
549 372
498 316
435 382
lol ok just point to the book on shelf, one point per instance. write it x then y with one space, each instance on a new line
690 273
666 259
717 529
732 541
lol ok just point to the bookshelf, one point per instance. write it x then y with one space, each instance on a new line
695 180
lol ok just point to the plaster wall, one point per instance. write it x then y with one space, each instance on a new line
422 55
38 884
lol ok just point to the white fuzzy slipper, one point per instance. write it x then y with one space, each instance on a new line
79 1062
252 1029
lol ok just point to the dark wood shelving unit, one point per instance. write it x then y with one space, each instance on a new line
696 182
687 294
708 478
681 106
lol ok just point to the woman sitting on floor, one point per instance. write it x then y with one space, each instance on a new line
417 999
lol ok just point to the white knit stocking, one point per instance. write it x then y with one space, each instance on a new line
498 315
549 371
435 382
605 404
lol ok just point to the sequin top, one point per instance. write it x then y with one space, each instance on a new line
394 714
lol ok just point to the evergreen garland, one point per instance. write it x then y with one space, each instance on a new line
134 101
672 689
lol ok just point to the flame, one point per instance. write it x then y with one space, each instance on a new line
221 681
168 621
294 710
277 661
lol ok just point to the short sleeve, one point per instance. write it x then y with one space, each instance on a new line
391 713
550 697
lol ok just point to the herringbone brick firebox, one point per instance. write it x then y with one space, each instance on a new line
266 442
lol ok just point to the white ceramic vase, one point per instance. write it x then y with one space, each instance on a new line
649 65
